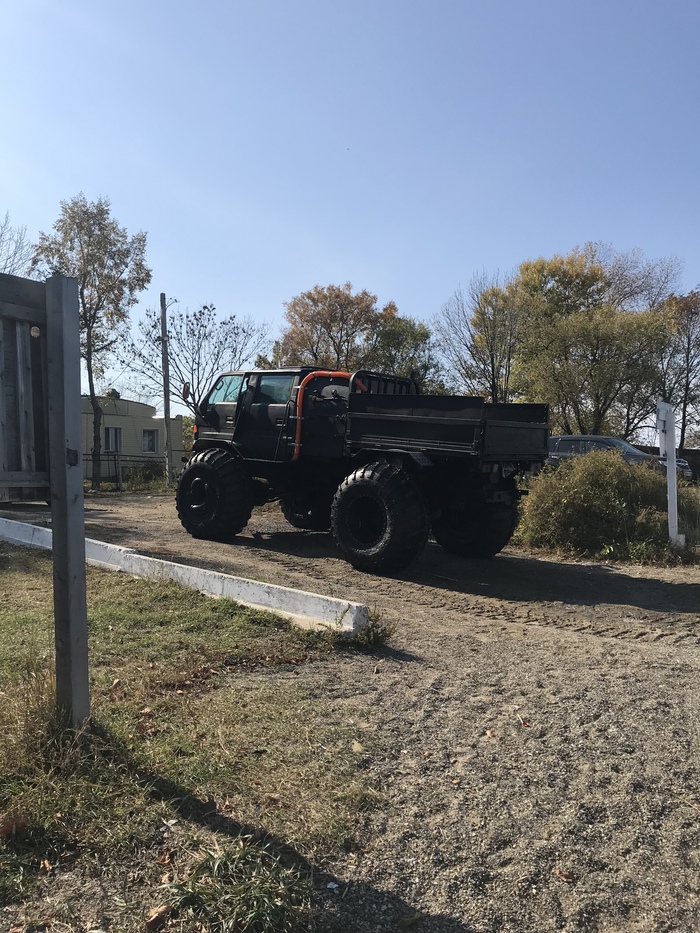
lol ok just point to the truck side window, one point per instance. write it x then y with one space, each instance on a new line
274 388
226 389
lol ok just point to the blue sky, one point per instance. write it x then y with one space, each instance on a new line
268 146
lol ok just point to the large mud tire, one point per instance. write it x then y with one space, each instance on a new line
308 511
379 518
478 533
214 497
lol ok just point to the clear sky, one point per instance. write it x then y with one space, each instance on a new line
270 145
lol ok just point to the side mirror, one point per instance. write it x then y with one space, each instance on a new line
185 391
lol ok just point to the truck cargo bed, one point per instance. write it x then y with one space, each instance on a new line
458 425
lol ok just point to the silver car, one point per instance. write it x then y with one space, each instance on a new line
682 467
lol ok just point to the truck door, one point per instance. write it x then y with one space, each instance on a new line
223 403
265 433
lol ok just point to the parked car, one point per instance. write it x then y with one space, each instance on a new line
565 446
682 467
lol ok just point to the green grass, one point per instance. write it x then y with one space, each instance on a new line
192 729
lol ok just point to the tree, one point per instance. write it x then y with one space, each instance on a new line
597 370
403 346
634 283
89 245
682 364
478 337
592 337
200 345
15 249
328 327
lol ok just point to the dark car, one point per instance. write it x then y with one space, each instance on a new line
565 446
682 467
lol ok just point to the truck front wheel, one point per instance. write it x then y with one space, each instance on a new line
379 519
214 496
481 532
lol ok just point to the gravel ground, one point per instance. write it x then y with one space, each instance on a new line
533 727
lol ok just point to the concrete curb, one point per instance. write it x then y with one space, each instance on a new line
309 610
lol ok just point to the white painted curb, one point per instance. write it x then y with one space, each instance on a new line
307 609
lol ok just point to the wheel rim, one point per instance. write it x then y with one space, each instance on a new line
367 521
201 498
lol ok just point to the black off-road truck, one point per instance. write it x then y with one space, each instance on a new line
364 455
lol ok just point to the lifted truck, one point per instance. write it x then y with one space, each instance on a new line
364 455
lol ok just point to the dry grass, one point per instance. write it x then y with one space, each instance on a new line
191 746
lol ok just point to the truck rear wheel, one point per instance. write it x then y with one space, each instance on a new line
214 496
379 519
479 533
306 510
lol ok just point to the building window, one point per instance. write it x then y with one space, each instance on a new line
150 441
113 440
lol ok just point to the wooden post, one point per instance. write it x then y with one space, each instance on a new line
166 389
67 507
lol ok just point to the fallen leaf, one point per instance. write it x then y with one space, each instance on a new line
167 858
566 876
358 747
157 917
146 711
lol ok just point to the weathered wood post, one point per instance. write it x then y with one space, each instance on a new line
67 505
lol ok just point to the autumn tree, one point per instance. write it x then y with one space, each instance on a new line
333 328
15 248
88 244
592 337
681 374
200 345
328 327
477 334
404 346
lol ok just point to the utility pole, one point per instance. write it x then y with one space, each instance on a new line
166 389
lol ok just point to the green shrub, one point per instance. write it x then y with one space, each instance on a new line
600 505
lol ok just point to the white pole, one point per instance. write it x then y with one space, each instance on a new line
666 426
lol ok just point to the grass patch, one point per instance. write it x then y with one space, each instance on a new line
246 886
202 739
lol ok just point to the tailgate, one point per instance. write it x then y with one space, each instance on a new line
515 432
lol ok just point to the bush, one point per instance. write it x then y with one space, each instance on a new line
600 505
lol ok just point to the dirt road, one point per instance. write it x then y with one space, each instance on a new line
537 725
